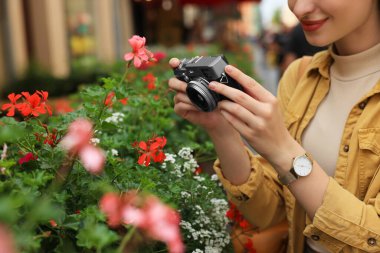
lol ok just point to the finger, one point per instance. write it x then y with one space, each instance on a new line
185 110
182 98
177 85
174 62
242 127
241 117
250 86
239 97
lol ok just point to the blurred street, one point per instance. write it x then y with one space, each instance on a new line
267 73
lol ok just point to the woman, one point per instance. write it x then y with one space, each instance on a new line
319 140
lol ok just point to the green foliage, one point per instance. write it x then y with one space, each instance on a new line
46 215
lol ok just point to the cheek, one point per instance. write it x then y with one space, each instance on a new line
291 4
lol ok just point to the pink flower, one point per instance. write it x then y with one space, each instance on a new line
155 219
162 223
158 56
139 52
7 244
77 142
79 135
110 204
92 158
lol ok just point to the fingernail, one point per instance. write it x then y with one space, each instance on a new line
229 68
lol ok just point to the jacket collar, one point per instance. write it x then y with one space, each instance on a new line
321 62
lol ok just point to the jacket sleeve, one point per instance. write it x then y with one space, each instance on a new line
345 222
260 199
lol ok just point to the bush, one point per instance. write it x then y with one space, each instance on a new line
50 192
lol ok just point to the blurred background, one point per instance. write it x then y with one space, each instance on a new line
57 44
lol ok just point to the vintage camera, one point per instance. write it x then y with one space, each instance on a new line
198 72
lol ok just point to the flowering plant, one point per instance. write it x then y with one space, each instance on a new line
118 172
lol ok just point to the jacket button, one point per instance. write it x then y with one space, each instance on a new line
362 105
315 237
371 241
242 197
346 148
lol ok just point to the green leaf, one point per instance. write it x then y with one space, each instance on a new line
11 130
96 236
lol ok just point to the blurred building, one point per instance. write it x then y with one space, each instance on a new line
57 35
53 33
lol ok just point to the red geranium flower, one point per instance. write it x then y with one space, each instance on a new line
32 105
124 101
108 100
44 96
249 246
151 149
26 158
151 80
198 171
12 105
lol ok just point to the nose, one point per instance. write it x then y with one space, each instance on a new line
301 8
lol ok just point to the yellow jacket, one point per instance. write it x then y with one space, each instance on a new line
349 219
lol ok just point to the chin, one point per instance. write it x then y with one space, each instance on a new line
318 41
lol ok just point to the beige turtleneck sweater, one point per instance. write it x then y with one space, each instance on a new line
351 78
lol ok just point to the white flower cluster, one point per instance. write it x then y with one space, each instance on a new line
208 249
209 229
208 223
113 152
95 141
116 118
186 153
169 158
188 163
215 178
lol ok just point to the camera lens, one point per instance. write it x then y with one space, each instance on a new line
198 92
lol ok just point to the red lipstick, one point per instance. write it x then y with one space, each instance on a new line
312 25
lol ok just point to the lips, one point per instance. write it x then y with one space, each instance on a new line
312 25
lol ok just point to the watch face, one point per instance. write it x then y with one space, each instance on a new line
302 166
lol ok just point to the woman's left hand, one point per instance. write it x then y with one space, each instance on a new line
255 113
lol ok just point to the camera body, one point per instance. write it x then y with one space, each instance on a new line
198 72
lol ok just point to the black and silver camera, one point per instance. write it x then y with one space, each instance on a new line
198 72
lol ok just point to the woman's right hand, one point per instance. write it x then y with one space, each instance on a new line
227 140
187 110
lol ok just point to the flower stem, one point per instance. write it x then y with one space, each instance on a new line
63 171
126 239
103 106
123 78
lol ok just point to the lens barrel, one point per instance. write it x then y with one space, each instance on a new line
200 95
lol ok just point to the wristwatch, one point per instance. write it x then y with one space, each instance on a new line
302 166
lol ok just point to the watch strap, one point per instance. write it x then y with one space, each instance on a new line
288 177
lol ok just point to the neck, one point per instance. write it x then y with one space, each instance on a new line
365 37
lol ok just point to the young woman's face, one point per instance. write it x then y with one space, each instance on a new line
348 23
